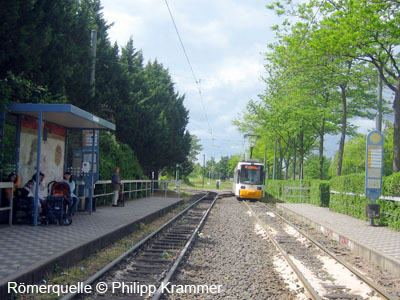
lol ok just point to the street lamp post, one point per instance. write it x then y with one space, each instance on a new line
256 137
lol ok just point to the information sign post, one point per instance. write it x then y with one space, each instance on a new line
373 173
90 163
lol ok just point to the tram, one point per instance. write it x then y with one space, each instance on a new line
248 180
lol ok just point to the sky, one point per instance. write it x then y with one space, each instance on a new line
224 41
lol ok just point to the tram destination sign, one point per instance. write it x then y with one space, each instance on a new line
374 165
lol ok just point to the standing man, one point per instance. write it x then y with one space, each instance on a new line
116 185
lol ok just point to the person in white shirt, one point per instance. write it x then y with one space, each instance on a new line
42 191
68 179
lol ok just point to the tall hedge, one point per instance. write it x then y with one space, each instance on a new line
391 209
320 192
354 205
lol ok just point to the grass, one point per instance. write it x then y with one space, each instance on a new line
197 183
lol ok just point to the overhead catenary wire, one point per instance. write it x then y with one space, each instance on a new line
190 66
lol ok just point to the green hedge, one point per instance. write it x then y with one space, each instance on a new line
391 209
318 194
348 204
354 205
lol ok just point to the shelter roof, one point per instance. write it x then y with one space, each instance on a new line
65 115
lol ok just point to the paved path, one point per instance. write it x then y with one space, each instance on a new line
382 243
24 247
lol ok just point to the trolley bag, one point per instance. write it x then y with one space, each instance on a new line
121 200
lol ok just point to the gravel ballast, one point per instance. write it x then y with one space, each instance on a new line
229 252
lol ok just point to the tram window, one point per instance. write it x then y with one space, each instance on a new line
238 176
251 175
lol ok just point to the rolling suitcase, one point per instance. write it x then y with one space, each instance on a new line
121 200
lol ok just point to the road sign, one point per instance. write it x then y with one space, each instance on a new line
374 165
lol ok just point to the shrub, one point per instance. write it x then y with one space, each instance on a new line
114 153
354 205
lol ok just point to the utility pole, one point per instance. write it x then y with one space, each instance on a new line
92 75
177 175
274 171
379 112
255 137
204 166
265 168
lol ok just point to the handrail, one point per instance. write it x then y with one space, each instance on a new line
390 198
146 186
7 185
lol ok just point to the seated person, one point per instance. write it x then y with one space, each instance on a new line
42 191
16 180
68 179
42 186
25 196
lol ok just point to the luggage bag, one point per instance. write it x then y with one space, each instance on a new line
121 200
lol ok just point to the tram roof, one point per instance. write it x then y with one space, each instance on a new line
65 115
250 161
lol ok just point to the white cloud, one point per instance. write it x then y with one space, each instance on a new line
223 40
364 125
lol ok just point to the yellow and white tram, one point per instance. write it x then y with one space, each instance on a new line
248 181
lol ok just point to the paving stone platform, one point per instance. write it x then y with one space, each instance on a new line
27 252
379 245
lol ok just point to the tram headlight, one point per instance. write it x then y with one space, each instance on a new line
242 187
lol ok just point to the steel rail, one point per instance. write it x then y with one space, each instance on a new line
307 285
174 267
380 291
135 248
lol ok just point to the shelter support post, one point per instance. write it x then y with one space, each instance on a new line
92 174
39 148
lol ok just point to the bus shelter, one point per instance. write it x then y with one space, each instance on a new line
43 131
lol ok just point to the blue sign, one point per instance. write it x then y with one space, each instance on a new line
87 156
374 165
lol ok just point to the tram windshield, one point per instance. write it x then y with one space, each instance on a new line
251 174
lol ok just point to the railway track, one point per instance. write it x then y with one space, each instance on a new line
323 274
145 271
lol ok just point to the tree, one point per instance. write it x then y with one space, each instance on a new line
223 168
233 161
46 57
368 31
312 167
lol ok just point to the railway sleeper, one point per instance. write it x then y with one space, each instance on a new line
172 239
175 244
184 227
166 247
156 255
180 237
141 280
144 266
342 296
332 286
140 272
182 230
153 261
161 250
105 297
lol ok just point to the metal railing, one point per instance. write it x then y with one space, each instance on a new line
134 188
163 186
288 194
6 185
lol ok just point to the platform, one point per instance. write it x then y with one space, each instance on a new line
28 252
379 245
